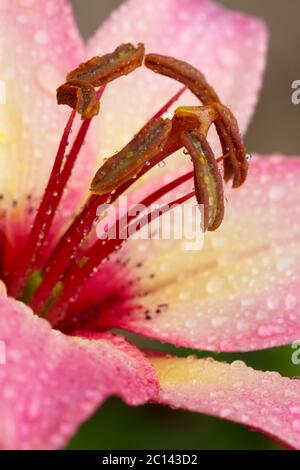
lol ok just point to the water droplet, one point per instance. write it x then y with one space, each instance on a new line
296 425
41 36
51 8
228 57
291 301
273 303
269 330
26 3
238 364
295 409
216 322
162 164
276 193
284 263
242 325
225 412
247 302
184 295
33 409
214 284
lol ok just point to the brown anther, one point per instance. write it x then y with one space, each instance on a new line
103 69
79 90
79 95
127 163
207 178
240 161
194 80
159 138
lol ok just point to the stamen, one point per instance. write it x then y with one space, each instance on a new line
127 163
31 246
195 81
69 244
66 251
79 90
62 276
100 252
232 128
51 199
103 69
80 96
208 180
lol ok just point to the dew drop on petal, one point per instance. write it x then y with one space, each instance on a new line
228 57
284 263
217 322
296 425
295 409
276 193
291 301
269 330
273 303
225 412
238 364
27 3
41 36
214 284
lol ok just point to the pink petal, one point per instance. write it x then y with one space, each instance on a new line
241 291
262 400
51 383
229 47
39 43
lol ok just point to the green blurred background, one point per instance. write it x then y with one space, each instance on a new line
274 128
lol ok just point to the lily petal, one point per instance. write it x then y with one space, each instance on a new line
40 43
241 291
265 401
50 383
229 47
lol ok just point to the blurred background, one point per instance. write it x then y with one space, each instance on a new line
275 127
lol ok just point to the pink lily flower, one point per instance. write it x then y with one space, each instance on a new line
240 293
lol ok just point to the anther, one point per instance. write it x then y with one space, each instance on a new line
236 165
79 90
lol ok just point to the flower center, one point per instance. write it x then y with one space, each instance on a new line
49 288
